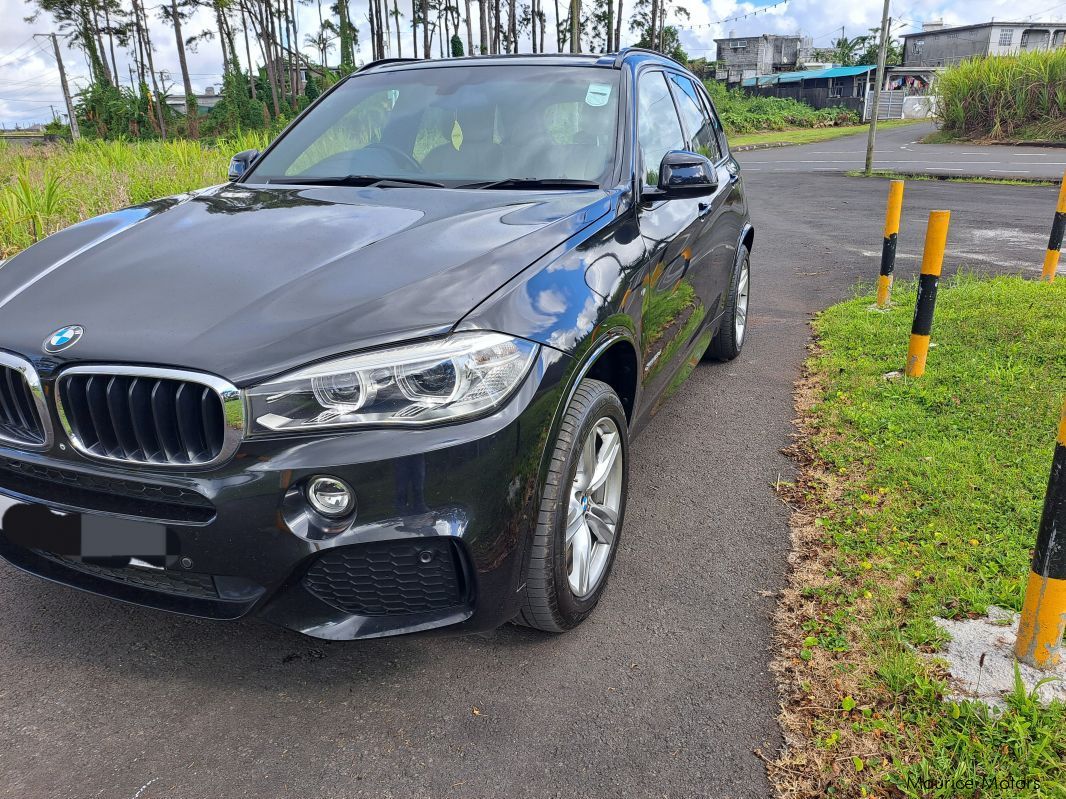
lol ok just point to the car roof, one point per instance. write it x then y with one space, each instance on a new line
603 60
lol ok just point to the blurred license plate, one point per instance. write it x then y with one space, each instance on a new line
84 535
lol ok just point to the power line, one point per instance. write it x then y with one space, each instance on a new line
12 58
19 100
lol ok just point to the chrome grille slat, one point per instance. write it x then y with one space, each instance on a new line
149 416
24 419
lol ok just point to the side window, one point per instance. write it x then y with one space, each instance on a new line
697 119
658 128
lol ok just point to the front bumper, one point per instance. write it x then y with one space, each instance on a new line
438 540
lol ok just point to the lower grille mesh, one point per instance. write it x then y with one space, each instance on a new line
170 582
107 494
389 577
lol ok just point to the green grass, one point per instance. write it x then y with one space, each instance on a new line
896 175
810 135
926 496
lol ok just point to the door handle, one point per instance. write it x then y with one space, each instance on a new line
704 208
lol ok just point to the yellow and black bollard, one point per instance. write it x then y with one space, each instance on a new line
936 239
1044 611
1058 228
888 248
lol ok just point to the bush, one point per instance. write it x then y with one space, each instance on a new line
745 113
1004 97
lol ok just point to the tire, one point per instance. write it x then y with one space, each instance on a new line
729 340
553 603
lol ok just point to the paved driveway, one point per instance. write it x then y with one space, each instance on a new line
663 692
901 149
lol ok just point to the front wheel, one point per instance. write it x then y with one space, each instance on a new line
729 339
580 517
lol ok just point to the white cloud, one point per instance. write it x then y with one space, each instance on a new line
29 82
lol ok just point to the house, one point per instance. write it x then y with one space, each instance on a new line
940 46
204 102
820 88
748 56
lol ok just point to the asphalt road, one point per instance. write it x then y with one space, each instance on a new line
900 149
665 691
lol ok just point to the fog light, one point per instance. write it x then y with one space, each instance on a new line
330 496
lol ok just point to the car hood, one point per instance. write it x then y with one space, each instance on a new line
246 282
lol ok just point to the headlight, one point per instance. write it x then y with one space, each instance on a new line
464 375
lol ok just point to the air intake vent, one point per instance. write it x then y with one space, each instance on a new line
23 418
158 417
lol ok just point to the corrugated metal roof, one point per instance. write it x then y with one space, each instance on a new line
807 74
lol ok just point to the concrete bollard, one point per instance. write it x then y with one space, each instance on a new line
888 248
1058 228
936 239
1043 618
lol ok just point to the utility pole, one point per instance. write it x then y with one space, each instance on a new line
75 134
575 26
882 54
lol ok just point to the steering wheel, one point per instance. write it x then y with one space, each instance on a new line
407 159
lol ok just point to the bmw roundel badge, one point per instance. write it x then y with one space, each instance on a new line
63 338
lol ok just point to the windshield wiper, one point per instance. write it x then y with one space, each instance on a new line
532 183
357 180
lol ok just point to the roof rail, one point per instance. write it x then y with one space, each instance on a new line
383 61
625 52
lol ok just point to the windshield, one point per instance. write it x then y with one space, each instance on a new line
455 125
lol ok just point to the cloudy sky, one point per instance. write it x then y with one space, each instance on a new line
29 81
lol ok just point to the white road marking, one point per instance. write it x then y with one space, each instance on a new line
1010 171
945 168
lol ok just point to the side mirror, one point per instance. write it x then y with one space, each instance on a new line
686 174
239 164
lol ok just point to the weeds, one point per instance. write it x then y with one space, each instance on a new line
918 498
1020 96
43 189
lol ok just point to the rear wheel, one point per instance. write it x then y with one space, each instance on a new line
729 340
581 511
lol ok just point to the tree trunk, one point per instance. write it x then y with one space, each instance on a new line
426 44
414 26
575 26
610 26
247 54
618 28
111 43
192 120
399 40
483 26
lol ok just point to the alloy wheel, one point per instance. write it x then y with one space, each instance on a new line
741 314
592 513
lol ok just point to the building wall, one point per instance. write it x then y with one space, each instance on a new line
746 57
941 48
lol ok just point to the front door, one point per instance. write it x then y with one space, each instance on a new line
673 310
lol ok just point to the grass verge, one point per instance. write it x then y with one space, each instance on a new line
896 175
811 135
917 499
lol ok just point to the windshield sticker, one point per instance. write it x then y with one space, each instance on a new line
457 135
598 94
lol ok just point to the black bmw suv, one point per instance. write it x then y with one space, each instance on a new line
385 379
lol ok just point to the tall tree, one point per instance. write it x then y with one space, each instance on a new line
426 34
396 18
192 119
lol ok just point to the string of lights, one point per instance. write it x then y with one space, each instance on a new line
752 13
